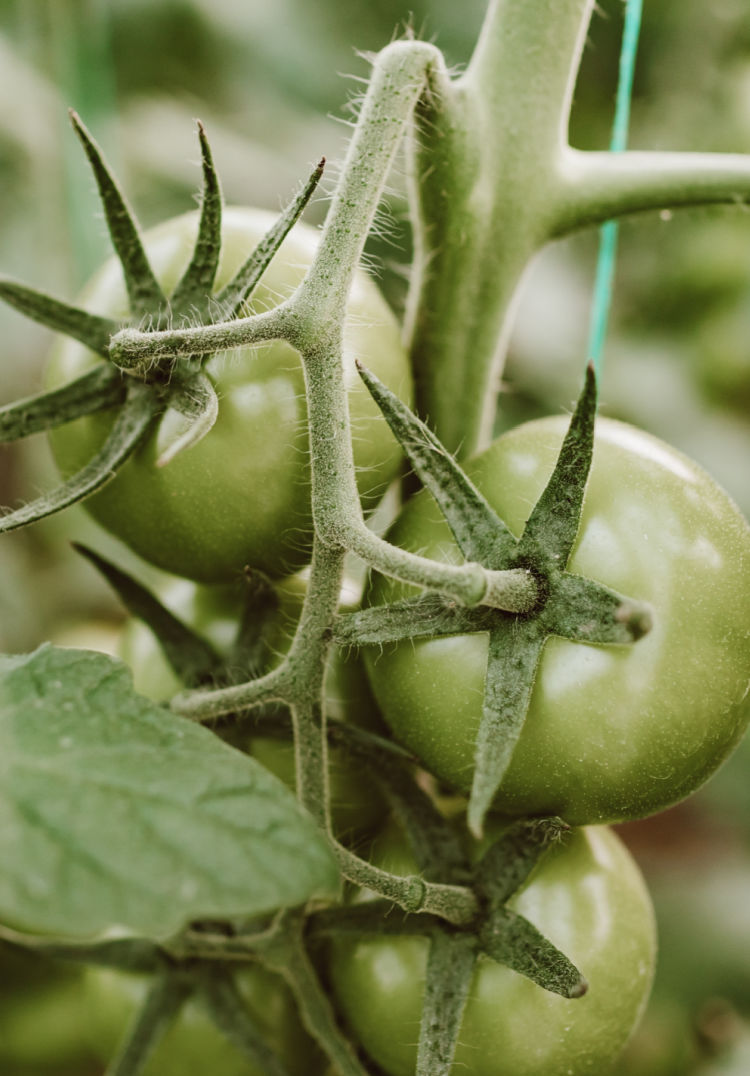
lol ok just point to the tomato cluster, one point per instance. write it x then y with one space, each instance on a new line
611 732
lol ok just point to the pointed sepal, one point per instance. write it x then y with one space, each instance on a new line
512 940
161 1006
511 858
515 648
192 413
91 330
481 534
427 616
450 970
223 1001
585 611
553 524
193 291
191 657
232 297
144 291
260 604
131 426
96 390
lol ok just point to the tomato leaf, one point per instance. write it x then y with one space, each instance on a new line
90 329
95 390
116 815
450 969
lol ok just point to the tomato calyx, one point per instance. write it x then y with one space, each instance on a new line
567 605
453 950
173 391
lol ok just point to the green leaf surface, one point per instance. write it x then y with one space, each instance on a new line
118 816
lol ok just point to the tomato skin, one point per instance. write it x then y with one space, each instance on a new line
612 733
356 804
241 496
193 1045
587 896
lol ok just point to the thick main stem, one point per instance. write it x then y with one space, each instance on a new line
484 145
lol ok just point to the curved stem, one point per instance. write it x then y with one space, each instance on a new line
398 80
137 351
207 705
456 903
306 663
162 1004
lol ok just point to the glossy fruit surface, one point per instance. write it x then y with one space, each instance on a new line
193 1045
587 896
241 496
611 732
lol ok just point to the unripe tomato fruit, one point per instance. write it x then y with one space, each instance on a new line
241 496
587 896
612 733
193 1045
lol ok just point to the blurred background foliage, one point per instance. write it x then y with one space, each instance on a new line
275 84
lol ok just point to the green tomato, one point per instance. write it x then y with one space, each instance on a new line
241 496
356 805
193 1045
587 896
612 732
42 1022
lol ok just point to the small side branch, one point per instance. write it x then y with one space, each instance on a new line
597 186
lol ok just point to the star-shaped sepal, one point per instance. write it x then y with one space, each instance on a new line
569 605
173 393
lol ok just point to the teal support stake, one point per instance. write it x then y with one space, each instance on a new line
605 265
